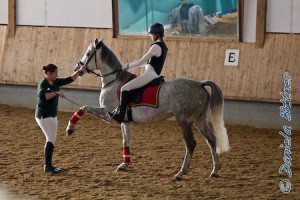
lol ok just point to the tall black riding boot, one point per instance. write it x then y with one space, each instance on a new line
119 113
49 148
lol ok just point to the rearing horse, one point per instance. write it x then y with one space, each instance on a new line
185 99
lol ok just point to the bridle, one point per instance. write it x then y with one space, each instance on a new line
80 63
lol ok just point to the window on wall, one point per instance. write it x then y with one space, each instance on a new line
181 18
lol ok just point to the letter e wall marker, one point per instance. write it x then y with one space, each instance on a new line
232 57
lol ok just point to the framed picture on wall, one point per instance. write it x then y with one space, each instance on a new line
181 18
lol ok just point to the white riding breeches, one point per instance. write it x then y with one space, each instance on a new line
49 128
141 80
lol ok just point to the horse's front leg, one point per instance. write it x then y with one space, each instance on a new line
99 112
126 133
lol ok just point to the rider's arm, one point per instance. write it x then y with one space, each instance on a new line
155 50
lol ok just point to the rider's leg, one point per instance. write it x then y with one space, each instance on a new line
138 82
119 113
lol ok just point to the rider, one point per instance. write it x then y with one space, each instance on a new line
184 14
153 62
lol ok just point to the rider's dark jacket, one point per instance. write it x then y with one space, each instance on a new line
158 62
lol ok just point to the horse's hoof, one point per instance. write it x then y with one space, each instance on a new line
69 132
122 167
177 178
214 175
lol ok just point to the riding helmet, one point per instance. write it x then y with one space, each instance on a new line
157 28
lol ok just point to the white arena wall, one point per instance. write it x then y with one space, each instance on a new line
256 114
66 13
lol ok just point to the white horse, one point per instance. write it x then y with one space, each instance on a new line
185 99
194 25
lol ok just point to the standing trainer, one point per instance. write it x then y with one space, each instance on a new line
46 109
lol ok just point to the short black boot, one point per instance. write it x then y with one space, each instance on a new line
49 148
119 113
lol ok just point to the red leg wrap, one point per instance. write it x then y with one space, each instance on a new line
126 155
76 116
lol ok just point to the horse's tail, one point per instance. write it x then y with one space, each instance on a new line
216 107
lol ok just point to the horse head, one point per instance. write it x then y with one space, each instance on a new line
99 57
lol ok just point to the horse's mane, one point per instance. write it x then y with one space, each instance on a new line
109 58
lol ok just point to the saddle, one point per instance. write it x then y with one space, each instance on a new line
147 95
144 96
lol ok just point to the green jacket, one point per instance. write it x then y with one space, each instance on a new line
48 108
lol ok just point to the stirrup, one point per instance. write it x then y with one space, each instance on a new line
117 115
116 111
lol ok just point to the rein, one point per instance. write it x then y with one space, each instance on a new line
112 80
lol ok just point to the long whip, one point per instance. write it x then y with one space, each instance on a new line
73 102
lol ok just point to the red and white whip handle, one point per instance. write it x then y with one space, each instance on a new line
76 116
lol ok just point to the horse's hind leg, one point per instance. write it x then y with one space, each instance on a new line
190 143
126 133
203 128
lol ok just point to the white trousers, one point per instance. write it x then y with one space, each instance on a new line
49 128
141 80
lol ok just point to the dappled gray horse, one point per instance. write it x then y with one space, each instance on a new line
194 25
185 99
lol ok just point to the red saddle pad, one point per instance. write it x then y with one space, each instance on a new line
149 97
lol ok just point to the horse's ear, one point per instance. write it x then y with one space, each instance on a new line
98 43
